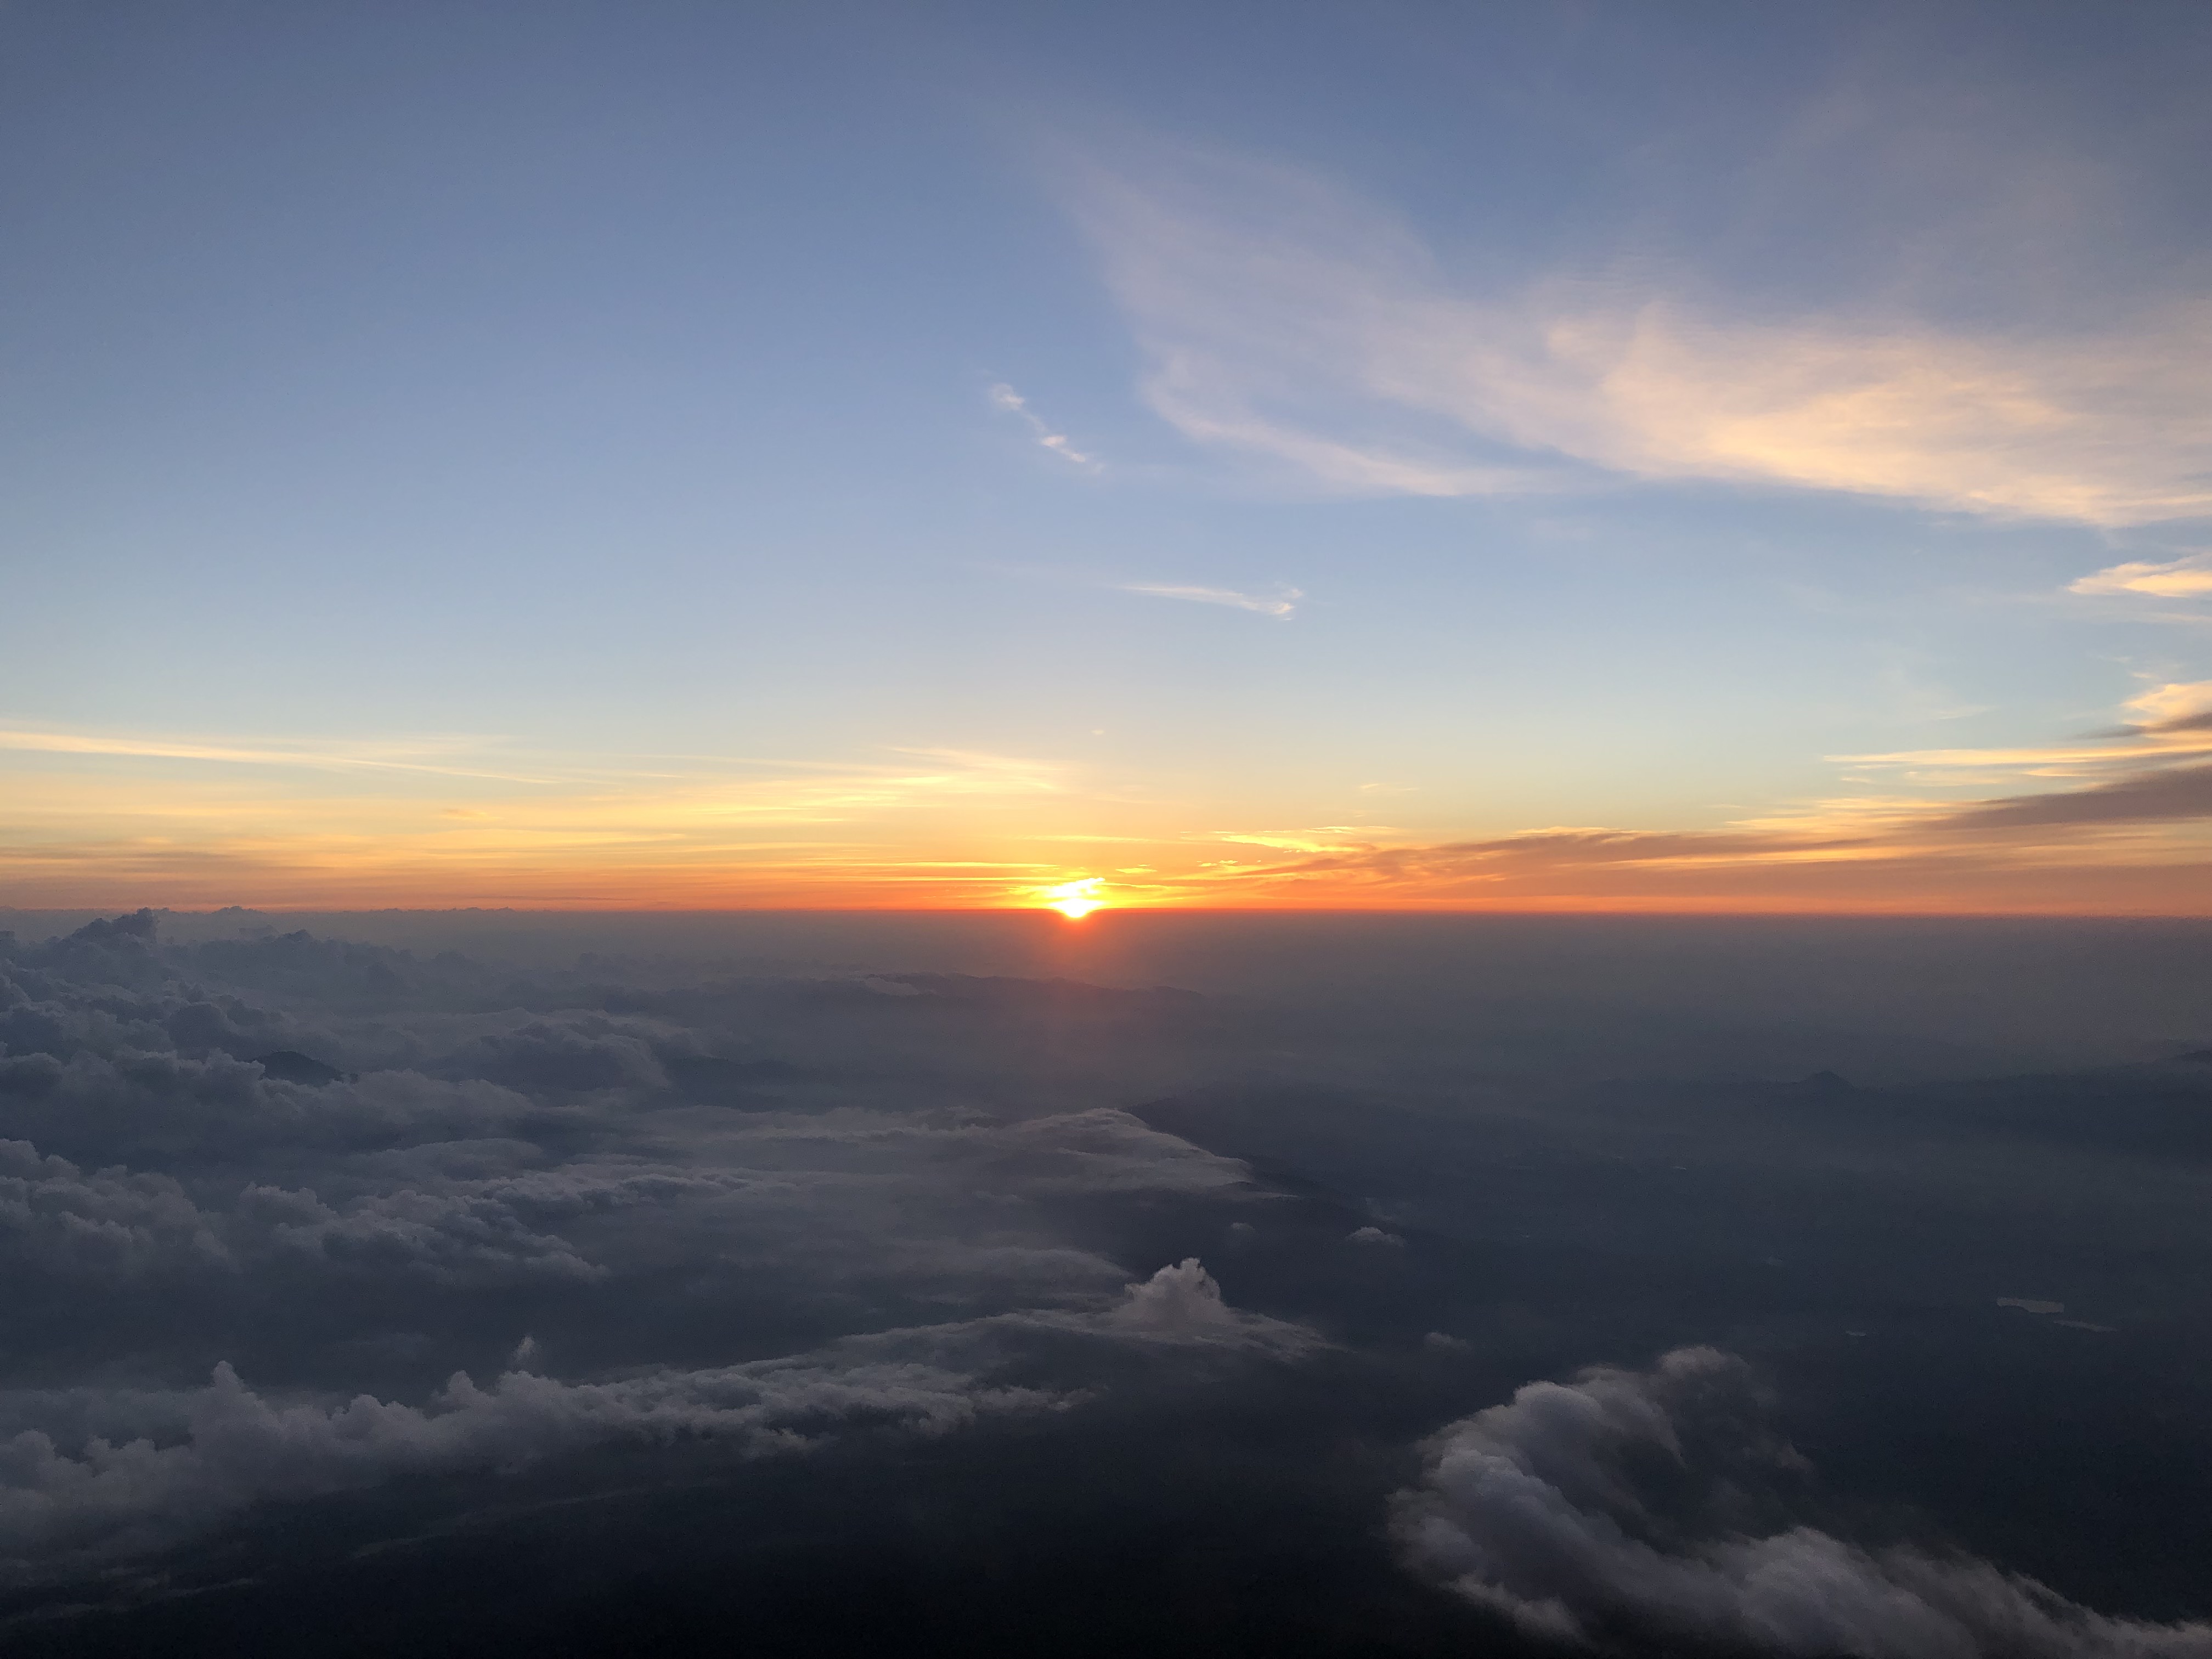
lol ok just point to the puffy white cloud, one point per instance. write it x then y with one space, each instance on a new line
1182 1302
1372 1235
1647 1502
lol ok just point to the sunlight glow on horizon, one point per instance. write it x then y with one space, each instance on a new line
1075 899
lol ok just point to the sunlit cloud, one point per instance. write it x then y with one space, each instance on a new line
2139 845
1281 604
1286 320
2172 725
2174 709
2134 834
321 756
1329 838
1005 398
2189 578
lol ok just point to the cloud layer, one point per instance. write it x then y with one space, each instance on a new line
1005 1256
277 1147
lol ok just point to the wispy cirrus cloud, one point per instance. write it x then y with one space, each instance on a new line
1005 398
1282 604
1286 318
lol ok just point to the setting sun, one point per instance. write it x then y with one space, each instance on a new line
1075 899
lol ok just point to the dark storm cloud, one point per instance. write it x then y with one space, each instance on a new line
1660 1504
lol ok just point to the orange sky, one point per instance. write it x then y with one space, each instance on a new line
2116 829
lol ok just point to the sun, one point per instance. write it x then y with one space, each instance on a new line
1075 899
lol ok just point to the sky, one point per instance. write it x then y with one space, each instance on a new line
1585 456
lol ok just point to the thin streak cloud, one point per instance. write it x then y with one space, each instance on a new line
368 758
1327 838
1281 604
2174 724
1004 397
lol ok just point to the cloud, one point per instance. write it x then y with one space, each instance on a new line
572 1154
2127 836
133 1101
386 757
2128 845
226 1447
1182 1304
2183 793
1004 397
1661 1505
742 1212
2188 577
111 1225
2177 707
1281 605
1326 838
185 1461
451 1239
2171 728
1284 318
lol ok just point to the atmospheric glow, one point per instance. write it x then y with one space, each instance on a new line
1075 899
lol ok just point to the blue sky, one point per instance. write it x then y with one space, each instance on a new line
726 455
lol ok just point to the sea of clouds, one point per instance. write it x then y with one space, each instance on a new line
285 1220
